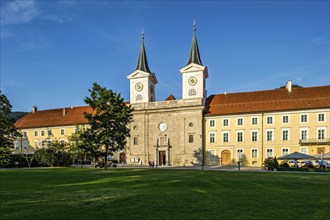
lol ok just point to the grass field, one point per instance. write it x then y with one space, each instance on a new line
73 193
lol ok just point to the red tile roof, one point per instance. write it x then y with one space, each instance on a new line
268 101
54 117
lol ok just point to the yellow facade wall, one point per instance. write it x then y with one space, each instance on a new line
263 147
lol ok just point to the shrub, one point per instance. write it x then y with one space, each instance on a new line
271 163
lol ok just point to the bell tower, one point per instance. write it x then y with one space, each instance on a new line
194 74
142 80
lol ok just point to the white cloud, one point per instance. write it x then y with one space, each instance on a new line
18 12
58 19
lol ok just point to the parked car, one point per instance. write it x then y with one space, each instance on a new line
101 164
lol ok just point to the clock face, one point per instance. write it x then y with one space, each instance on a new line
162 126
192 81
139 86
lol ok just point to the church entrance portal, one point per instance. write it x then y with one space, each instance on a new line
162 157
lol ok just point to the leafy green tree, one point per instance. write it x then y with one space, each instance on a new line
109 120
8 131
81 145
56 154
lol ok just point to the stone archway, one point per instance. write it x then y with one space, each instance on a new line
225 157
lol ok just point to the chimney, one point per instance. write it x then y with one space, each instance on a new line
34 109
63 111
288 86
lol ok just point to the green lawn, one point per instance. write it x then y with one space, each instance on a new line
73 193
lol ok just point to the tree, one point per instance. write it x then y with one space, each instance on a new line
81 145
56 154
108 122
8 131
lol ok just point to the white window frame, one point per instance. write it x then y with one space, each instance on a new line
254 149
283 148
240 131
223 137
62 141
42 133
62 129
272 149
301 115
35 133
17 145
239 155
192 92
270 130
317 132
214 137
25 144
301 130
212 154
256 121
288 137
318 117
223 122
212 123
283 119
36 144
252 131
25 134
304 148
240 120
272 117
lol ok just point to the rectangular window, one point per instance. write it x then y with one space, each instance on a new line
135 141
320 117
212 154
25 144
303 118
212 137
36 145
25 134
191 138
225 136
49 143
303 134
240 136
239 154
240 121
35 133
321 134
285 135
285 151
225 122
62 141
285 119
42 133
17 144
269 135
254 153
254 121
254 136
62 131
212 123
269 153
49 132
304 150
270 120
43 143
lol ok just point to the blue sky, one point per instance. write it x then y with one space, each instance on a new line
53 51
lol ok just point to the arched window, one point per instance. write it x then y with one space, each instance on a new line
139 97
192 92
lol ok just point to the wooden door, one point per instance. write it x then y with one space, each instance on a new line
162 157
225 157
